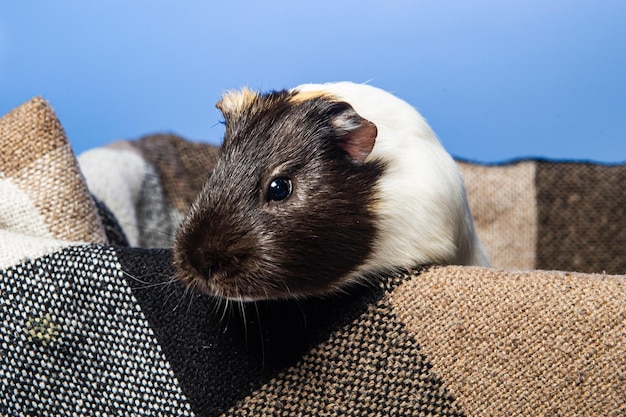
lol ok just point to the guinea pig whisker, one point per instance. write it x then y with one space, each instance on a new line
226 308
136 226
168 287
218 123
169 282
168 296
135 278
258 318
304 319
287 287
186 293
191 298
242 310
146 284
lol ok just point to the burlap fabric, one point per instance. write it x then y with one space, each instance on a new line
90 326
537 214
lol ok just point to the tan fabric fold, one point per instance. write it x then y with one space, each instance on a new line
38 160
512 343
504 206
372 367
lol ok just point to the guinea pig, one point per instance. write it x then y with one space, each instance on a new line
320 187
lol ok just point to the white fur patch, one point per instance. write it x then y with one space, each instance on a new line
425 216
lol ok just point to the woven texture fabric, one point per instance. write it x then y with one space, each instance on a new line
75 342
539 343
535 214
37 163
90 326
581 217
373 366
504 207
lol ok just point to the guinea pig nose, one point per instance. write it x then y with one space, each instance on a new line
209 268
206 263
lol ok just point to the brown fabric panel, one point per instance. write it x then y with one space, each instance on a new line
521 343
28 132
582 217
58 190
39 160
503 204
373 367
183 166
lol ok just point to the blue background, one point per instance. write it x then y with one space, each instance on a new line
496 79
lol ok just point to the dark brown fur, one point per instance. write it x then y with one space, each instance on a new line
235 243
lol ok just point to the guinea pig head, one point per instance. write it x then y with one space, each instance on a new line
289 209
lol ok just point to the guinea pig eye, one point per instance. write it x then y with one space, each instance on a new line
279 189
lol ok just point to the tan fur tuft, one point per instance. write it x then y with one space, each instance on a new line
236 101
302 96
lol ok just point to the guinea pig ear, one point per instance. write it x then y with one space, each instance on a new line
356 135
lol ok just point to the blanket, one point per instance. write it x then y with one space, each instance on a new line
93 322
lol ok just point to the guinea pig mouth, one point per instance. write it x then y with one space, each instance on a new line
243 286
234 288
227 281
